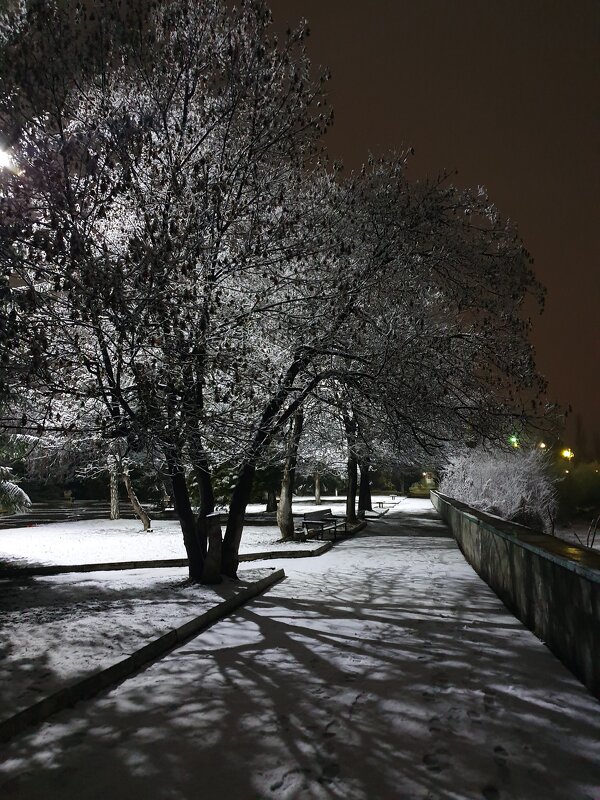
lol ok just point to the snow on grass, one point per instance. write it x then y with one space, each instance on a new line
337 504
107 541
383 669
103 541
58 629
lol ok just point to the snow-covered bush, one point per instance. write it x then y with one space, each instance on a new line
514 484
12 497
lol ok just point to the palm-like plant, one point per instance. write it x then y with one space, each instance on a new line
12 497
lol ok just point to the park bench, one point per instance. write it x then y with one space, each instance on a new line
316 523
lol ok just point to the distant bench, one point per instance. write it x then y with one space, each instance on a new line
316 523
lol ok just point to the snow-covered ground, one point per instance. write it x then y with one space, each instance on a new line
104 541
337 504
57 629
577 534
384 669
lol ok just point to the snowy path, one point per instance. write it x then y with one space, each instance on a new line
383 670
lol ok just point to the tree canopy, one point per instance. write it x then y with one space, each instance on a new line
188 273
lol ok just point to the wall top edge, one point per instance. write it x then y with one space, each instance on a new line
572 557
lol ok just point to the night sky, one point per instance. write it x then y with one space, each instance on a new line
507 93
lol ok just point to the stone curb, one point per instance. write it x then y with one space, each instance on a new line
110 676
113 566
60 569
287 553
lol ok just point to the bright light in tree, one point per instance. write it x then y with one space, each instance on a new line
514 440
5 160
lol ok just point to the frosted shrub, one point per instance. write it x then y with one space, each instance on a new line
12 497
514 485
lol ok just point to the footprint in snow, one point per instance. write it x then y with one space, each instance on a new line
437 760
329 772
291 773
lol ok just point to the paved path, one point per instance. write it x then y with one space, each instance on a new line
383 670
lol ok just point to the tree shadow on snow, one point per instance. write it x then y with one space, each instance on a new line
365 677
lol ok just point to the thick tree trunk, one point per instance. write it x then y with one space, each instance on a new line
115 512
211 573
235 521
135 503
285 518
364 491
188 525
207 503
208 526
317 489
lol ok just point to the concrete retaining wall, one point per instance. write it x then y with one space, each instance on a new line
551 586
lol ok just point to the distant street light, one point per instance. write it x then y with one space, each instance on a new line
514 440
542 445
568 453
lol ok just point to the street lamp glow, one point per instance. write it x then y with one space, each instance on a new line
5 160
567 453
7 163
514 440
542 445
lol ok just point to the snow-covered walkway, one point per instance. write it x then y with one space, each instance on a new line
383 670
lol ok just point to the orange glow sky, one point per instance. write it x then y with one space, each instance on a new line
507 93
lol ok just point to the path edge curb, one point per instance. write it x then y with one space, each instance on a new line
108 677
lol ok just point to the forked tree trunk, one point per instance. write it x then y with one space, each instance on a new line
285 518
115 511
364 490
135 503
243 489
317 489
235 521
188 525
